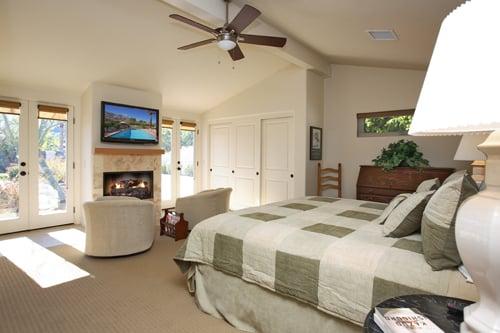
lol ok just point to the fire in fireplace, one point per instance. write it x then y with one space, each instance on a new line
137 184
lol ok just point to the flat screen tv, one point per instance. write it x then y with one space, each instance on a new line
128 124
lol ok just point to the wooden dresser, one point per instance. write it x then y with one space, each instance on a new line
375 184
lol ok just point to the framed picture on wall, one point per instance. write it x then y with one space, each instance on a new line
315 143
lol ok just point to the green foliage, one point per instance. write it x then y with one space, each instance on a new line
166 137
166 169
403 153
392 124
188 171
9 140
187 138
13 171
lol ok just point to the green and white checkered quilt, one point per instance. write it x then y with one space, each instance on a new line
322 251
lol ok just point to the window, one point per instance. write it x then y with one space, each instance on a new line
178 162
166 160
387 123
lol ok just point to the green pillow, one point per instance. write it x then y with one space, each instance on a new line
438 222
406 218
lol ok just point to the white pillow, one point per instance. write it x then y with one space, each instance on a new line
428 185
391 206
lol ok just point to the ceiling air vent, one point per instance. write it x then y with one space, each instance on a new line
382 34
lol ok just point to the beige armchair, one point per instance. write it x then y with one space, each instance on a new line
203 205
116 226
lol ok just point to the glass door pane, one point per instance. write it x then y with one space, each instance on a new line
166 163
9 163
187 161
52 163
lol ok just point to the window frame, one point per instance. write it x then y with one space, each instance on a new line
360 121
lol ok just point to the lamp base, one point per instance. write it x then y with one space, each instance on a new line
477 234
472 325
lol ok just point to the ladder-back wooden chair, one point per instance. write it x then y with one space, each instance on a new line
330 178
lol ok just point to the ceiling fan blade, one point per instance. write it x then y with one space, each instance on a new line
246 16
193 23
236 53
193 45
262 40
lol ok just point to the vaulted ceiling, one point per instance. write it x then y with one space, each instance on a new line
337 28
66 44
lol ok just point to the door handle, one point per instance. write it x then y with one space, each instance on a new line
23 164
210 169
291 175
179 168
23 173
232 171
257 173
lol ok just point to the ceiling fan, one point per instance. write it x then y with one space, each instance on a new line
229 35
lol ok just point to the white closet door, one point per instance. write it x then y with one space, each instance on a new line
220 156
246 170
277 160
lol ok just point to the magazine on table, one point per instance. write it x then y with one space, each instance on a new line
404 320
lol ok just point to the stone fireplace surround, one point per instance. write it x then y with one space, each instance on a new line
123 160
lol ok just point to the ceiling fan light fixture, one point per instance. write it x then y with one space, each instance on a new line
226 44
226 41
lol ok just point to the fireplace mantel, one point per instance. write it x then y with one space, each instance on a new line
127 151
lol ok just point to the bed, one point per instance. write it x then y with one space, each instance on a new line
314 264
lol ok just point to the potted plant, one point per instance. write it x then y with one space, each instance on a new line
403 153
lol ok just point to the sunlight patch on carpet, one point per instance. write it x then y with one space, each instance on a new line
72 237
44 267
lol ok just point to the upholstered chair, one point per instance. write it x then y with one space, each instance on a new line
203 205
116 226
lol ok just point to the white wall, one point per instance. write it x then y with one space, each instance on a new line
315 116
283 92
91 124
355 89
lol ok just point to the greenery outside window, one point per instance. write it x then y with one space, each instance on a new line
386 123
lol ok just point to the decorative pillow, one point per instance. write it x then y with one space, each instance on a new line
456 175
406 218
428 185
438 222
390 207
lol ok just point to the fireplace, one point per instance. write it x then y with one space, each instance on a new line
138 184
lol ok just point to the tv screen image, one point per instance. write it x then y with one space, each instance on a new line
128 124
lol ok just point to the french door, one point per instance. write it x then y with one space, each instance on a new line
179 161
36 169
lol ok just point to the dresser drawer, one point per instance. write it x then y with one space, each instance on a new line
375 198
381 191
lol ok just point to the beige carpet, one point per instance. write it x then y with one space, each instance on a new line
140 293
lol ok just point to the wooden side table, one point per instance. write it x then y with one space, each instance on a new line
177 230
432 306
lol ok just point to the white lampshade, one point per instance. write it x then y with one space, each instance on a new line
461 91
467 150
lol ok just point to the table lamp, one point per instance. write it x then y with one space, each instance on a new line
460 95
468 151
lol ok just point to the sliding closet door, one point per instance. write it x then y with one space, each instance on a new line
277 160
246 170
220 156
